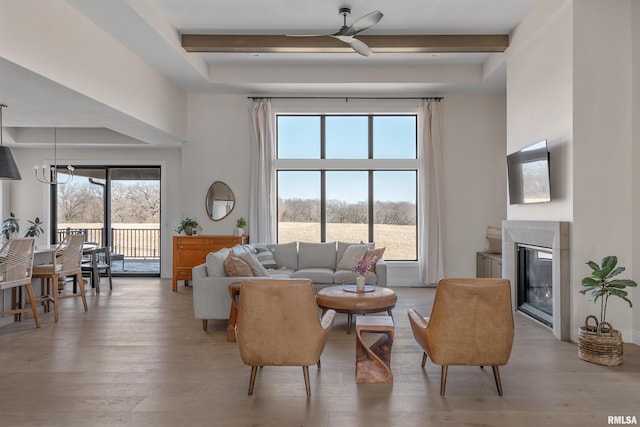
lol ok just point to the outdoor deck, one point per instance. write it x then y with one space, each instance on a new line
136 266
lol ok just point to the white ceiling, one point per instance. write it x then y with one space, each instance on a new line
151 28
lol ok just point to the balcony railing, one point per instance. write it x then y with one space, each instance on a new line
130 242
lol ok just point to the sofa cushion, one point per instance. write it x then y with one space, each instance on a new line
281 273
317 275
242 249
265 256
346 276
352 254
285 254
215 262
235 267
312 255
257 269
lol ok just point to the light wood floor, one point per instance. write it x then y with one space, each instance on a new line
138 357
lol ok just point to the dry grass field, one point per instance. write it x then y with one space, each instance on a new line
400 240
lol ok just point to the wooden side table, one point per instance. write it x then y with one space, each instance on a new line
373 364
234 293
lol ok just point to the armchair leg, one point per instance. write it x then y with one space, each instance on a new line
424 359
305 371
496 375
443 379
252 380
318 363
204 325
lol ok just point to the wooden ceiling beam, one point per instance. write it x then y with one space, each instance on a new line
382 44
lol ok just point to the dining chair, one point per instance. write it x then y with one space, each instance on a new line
66 262
16 262
99 261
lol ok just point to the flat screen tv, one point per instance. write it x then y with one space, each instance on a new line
528 175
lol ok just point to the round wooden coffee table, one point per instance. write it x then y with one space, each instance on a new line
334 297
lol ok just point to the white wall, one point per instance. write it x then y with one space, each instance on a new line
560 89
217 150
473 156
475 188
540 106
635 137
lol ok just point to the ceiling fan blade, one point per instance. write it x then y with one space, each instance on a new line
357 45
367 21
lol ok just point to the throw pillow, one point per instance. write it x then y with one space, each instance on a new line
266 258
257 269
351 256
377 255
285 254
235 267
215 263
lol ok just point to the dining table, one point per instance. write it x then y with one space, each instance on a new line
43 254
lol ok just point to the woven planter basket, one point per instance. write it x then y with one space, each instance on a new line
599 343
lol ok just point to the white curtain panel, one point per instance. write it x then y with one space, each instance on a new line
261 195
429 192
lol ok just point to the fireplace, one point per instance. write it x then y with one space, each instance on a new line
539 249
534 288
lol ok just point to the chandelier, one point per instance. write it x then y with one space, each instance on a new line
52 171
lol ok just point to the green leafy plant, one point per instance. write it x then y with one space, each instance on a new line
241 223
601 284
35 229
10 226
187 222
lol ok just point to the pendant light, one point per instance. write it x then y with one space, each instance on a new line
42 171
8 168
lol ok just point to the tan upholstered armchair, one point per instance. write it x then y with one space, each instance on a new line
471 324
279 325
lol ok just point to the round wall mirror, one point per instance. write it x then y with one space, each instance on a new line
220 201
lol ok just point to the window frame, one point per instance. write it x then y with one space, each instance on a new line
369 165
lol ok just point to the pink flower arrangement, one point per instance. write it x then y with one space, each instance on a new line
363 265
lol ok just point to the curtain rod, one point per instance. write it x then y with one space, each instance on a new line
347 98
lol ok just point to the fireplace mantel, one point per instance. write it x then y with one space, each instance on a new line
548 234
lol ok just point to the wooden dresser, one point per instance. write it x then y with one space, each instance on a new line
189 251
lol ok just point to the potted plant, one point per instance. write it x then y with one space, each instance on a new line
35 229
10 226
241 224
187 225
600 343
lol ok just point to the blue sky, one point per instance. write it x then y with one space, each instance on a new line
394 137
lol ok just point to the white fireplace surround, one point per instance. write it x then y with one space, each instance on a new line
547 234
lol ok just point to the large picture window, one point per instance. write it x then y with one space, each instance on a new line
348 178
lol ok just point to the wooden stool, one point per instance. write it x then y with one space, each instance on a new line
373 364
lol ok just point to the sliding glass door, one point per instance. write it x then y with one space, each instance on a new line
115 206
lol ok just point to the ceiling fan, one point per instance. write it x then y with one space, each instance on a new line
346 33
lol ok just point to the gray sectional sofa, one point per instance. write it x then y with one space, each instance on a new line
320 262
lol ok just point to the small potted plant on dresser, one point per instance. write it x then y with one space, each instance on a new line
241 225
599 342
188 225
